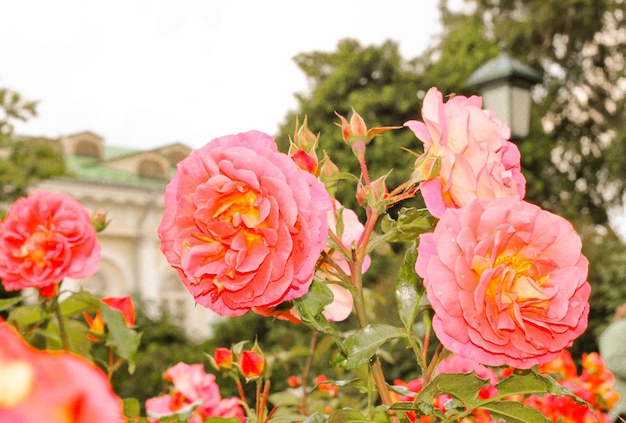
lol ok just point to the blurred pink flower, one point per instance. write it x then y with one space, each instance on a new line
467 154
52 387
507 281
193 389
45 238
243 225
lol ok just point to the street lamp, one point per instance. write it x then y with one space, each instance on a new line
504 84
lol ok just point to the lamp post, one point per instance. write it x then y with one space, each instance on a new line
504 84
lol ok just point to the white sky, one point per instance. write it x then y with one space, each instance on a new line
145 73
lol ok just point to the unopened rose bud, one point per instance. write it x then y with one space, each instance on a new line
304 138
223 358
294 381
305 162
99 221
252 363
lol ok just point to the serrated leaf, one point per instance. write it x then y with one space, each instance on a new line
514 412
531 382
361 345
408 292
411 222
463 387
347 416
124 339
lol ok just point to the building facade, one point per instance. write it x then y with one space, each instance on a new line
129 185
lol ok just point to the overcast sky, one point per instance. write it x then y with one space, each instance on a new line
145 73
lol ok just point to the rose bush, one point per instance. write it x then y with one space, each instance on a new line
487 280
243 224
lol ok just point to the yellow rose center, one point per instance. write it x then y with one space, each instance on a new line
17 383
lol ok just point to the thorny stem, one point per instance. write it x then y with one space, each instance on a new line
364 169
305 372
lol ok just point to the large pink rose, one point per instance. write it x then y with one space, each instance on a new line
507 282
52 387
45 238
467 154
243 226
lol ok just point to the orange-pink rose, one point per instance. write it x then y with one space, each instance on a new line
507 281
467 154
243 226
45 238
52 387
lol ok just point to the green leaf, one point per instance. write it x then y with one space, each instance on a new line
124 339
318 297
530 382
77 302
463 387
132 408
514 412
408 292
76 333
361 345
347 416
25 315
410 224
7 303
310 309
222 420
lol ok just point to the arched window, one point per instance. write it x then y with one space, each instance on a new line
151 169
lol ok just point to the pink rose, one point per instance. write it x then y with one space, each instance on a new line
475 158
507 282
45 238
193 390
243 226
55 387
192 381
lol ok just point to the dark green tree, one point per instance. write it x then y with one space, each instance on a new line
23 160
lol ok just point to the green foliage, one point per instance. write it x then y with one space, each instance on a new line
13 108
163 344
29 160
